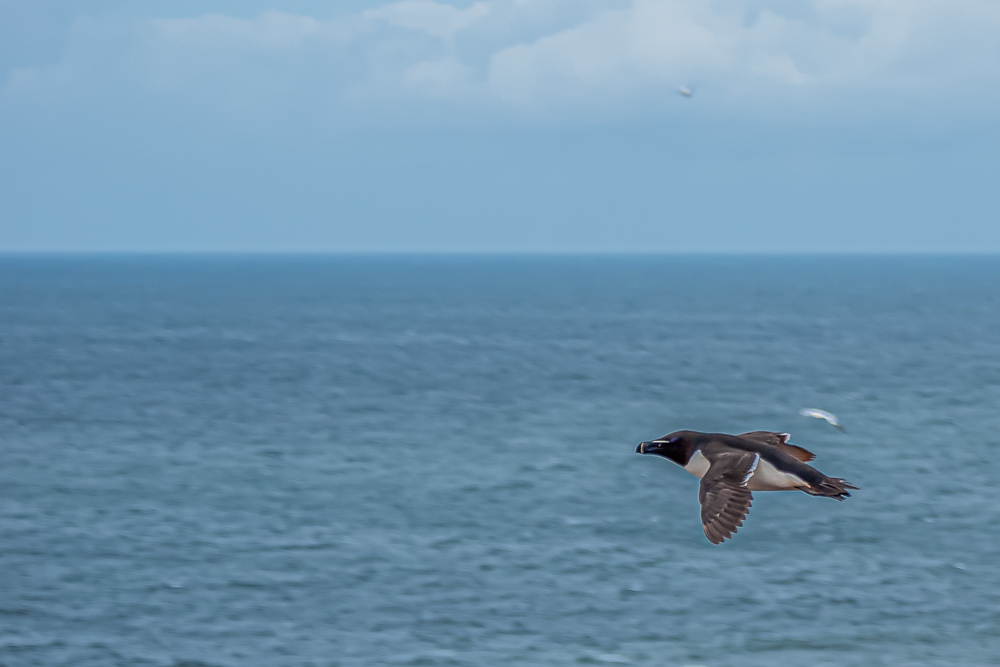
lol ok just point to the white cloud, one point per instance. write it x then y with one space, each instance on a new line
607 60
437 19
273 31
621 54
231 67
433 77
754 59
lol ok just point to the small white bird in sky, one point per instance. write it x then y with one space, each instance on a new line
831 419
685 91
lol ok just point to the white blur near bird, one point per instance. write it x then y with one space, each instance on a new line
828 417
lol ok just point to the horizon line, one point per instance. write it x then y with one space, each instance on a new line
496 253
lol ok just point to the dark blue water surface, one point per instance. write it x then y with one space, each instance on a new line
429 461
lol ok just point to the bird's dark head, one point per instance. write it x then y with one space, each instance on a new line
677 446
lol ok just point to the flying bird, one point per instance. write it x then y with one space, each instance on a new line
685 91
830 418
730 467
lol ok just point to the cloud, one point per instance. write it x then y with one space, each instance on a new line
547 60
618 54
212 62
435 19
833 59
447 74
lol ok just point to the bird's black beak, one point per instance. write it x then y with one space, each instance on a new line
652 447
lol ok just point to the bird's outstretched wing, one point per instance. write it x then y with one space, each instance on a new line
724 496
780 440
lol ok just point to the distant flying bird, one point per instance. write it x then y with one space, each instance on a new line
830 418
685 91
731 466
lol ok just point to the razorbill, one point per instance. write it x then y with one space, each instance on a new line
731 466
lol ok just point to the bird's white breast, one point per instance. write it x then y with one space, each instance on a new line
768 478
697 465
764 477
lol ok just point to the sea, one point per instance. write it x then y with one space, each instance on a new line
242 461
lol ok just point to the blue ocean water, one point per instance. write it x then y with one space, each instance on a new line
242 461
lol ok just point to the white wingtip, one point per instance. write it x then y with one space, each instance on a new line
753 467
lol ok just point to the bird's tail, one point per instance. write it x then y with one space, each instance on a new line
831 487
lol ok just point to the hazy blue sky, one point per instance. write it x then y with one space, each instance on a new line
500 125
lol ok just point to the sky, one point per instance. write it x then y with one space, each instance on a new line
552 126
